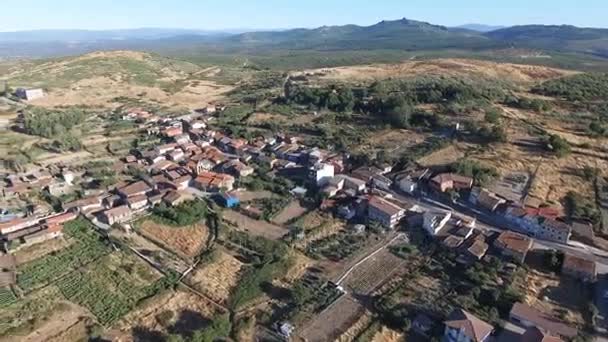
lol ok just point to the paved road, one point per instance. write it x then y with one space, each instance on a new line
489 222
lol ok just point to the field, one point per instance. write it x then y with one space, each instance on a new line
336 247
30 253
254 227
37 314
367 276
170 312
152 251
217 278
292 211
394 143
112 287
334 321
441 67
98 79
186 242
86 249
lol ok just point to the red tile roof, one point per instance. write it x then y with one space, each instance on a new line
473 327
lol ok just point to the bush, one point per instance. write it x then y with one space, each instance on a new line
492 116
558 145
579 208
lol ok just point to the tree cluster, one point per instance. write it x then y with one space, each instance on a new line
583 87
186 213
481 174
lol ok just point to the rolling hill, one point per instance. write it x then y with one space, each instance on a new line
557 38
398 34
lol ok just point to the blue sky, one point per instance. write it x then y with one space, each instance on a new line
260 14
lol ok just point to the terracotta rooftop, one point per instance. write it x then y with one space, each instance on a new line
577 264
385 206
543 321
473 327
118 211
514 241
135 188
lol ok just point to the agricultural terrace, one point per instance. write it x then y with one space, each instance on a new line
113 286
87 247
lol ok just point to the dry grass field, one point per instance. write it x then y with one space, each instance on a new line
218 278
184 241
442 67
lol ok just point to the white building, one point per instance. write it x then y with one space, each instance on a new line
408 185
434 221
29 94
322 173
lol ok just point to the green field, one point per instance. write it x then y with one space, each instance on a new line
87 248
112 287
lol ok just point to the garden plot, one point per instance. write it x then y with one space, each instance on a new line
112 287
151 251
292 211
334 321
86 248
187 242
369 275
217 278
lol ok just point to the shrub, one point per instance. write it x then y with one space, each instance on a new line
558 145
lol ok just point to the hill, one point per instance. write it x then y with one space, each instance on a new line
98 79
558 38
399 34
480 27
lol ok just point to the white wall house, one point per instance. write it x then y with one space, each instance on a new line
434 221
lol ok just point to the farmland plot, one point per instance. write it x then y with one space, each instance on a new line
367 276
87 248
186 242
112 287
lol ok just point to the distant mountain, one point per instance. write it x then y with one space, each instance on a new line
38 36
557 38
399 34
480 27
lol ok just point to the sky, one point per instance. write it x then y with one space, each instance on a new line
279 14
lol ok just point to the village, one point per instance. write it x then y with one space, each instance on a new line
377 209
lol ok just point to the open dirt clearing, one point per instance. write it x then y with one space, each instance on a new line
554 178
445 156
102 92
554 295
292 211
255 227
442 67
30 253
187 310
247 196
184 241
66 324
394 142
218 278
